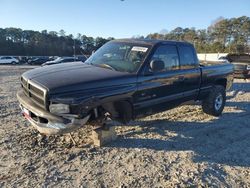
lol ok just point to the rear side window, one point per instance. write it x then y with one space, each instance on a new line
169 55
187 58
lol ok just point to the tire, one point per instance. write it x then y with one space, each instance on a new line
215 101
13 62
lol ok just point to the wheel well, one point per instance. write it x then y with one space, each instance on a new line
222 82
121 111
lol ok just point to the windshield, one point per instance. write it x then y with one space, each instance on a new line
119 56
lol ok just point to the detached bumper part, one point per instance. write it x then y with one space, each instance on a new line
45 122
58 128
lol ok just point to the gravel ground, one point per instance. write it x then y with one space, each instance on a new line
182 147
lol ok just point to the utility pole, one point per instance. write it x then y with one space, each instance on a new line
74 48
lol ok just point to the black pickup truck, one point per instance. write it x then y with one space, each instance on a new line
123 80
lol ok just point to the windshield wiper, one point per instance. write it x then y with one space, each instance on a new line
104 65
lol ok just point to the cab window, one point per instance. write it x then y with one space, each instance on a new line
169 55
187 58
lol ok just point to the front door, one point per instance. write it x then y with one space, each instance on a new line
158 91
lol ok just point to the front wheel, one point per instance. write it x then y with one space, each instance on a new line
215 101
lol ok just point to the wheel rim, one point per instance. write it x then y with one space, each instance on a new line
218 102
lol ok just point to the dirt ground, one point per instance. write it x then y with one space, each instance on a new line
182 147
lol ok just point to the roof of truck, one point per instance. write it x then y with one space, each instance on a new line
150 41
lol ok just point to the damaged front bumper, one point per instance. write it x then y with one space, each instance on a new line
46 122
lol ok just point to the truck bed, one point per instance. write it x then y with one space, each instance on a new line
212 70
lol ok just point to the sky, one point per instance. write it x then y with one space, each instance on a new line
117 18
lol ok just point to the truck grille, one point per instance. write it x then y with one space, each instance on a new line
35 92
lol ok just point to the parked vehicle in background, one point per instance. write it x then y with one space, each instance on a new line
38 60
22 59
8 60
122 80
82 58
241 64
52 58
60 60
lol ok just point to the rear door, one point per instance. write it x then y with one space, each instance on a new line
190 73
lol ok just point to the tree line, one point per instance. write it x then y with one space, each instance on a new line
15 41
223 35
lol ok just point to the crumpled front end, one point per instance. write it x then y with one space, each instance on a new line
46 122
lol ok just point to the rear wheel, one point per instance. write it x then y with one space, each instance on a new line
13 62
215 101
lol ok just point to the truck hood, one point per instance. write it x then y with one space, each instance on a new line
72 78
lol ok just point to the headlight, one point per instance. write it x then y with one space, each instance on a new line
59 108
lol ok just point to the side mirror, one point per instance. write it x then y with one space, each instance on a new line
157 65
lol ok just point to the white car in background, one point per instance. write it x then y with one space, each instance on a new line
8 60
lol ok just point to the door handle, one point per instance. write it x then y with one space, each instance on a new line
182 78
